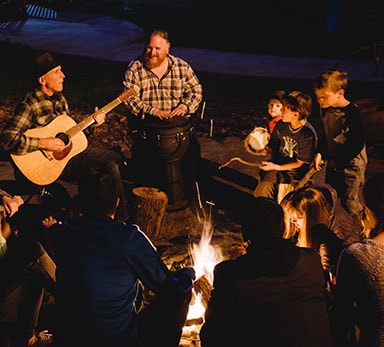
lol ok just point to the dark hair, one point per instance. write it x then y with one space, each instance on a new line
98 190
264 218
299 102
276 95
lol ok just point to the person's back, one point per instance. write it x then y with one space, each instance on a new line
271 296
359 296
100 262
259 309
359 279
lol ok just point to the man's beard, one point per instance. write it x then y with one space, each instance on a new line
152 62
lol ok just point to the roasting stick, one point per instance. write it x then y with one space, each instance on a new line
202 111
241 161
198 195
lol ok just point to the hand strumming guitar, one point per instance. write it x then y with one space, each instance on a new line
53 144
11 204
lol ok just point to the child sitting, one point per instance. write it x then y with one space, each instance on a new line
274 109
293 145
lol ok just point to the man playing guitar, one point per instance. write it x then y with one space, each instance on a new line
38 110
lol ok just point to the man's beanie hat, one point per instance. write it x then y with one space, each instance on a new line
43 63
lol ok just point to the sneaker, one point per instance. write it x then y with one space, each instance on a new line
44 338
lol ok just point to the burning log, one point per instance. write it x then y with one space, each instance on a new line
203 286
150 207
194 321
201 295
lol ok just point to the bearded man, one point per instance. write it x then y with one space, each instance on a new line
168 93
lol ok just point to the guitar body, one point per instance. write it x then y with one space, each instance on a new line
45 167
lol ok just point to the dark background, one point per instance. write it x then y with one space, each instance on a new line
318 28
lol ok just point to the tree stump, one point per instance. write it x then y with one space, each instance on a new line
149 210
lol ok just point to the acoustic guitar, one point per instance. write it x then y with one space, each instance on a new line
44 167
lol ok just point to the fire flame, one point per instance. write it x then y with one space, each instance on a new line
197 309
204 258
204 255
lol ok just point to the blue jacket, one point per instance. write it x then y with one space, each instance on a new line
100 263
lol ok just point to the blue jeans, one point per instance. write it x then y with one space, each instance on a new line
349 181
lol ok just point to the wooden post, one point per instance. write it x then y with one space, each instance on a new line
149 210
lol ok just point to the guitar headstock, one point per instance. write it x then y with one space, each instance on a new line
124 96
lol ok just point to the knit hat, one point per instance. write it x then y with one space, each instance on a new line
43 63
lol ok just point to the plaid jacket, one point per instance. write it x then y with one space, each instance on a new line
179 85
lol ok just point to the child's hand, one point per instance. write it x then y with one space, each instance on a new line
317 161
269 166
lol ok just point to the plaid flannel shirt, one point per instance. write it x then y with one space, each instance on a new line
36 110
179 85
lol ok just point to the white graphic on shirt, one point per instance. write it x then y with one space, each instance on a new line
288 147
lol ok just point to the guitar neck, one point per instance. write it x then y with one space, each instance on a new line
310 173
85 123
306 178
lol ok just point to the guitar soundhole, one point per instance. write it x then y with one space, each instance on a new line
63 137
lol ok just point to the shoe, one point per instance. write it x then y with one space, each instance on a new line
44 338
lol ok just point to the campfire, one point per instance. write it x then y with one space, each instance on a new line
203 253
204 258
